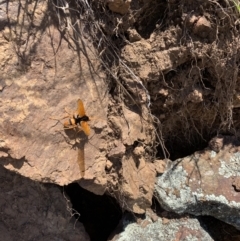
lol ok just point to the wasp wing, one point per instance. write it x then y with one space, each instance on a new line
81 161
85 127
80 108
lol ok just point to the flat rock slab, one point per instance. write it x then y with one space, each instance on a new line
205 183
44 72
52 77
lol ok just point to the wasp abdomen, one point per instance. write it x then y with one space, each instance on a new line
69 123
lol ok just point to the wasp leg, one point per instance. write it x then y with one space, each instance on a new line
58 119
79 129
76 127
68 112
65 128
70 127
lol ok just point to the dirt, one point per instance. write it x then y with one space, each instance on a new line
189 65
161 78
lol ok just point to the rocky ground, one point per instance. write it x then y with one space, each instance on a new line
159 81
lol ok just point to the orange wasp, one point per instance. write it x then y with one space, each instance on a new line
79 119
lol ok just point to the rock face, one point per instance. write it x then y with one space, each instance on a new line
161 228
56 76
34 211
132 175
205 183
44 74
183 68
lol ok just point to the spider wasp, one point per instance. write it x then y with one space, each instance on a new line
78 121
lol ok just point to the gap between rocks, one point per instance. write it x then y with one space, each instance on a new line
99 214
